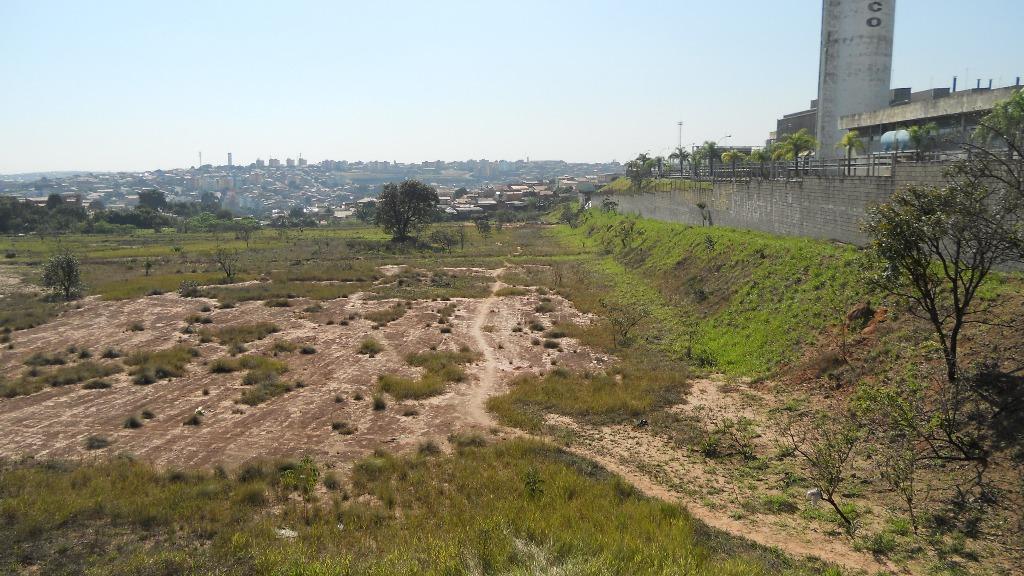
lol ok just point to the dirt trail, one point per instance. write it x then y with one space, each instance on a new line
489 380
615 459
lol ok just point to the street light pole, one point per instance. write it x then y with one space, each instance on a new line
680 133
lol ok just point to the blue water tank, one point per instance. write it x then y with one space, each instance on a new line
896 141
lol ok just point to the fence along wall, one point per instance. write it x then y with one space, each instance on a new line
818 207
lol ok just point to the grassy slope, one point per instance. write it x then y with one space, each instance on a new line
514 508
742 302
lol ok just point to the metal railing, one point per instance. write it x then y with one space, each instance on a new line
882 165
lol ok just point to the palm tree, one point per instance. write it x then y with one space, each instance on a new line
921 137
852 142
733 156
639 170
680 155
761 156
793 145
710 150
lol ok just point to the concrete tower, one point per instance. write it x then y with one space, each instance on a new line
856 64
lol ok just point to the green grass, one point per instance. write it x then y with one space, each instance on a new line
387 315
151 366
735 301
620 393
370 347
240 333
21 311
264 385
230 364
441 368
517 507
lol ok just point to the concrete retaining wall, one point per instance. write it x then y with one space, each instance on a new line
823 208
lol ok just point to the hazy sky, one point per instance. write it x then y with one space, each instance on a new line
136 85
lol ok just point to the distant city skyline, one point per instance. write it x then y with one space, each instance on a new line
128 86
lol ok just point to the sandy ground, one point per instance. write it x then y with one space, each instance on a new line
55 422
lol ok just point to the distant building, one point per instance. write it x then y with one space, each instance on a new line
289 162
274 163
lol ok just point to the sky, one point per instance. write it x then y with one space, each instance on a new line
139 85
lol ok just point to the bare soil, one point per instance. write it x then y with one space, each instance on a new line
55 422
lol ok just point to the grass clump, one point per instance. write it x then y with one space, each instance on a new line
46 359
150 366
343 428
512 291
98 384
242 334
263 386
132 422
441 368
370 347
97 442
388 315
379 404
283 346
87 370
229 364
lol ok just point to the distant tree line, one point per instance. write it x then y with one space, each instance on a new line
153 212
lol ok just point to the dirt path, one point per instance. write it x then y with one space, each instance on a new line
617 457
489 381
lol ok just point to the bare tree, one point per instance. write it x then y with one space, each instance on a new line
227 260
624 318
827 446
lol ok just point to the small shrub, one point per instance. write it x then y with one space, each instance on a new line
111 353
136 327
370 347
193 420
43 359
96 442
410 411
358 396
282 346
132 422
446 330
544 308
428 448
148 414
307 350
343 428
537 326
277 303
84 354
151 366
379 404
188 289
331 481
98 384
551 344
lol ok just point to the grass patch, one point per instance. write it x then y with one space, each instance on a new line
241 333
511 291
616 395
87 370
280 292
387 315
441 368
151 366
477 508
22 311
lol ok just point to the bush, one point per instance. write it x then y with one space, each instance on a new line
188 289
277 303
98 384
370 347
379 404
136 327
132 422
148 414
194 420
282 346
111 353
96 442
44 359
87 370
307 350
343 428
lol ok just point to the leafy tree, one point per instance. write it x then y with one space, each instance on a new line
153 199
732 157
639 170
794 145
63 275
709 152
996 153
680 155
851 142
366 211
404 209
54 201
922 137
762 156
483 226
939 246
245 228
444 238
609 205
